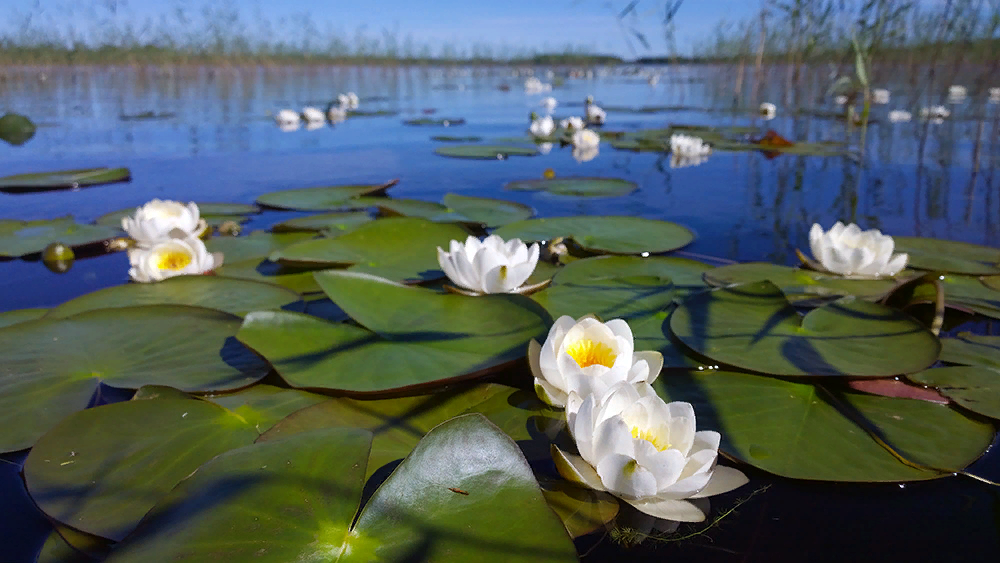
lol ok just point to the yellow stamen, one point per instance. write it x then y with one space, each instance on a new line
648 436
173 260
588 353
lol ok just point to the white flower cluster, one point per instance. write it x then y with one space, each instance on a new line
535 86
167 243
687 150
290 120
851 252
631 443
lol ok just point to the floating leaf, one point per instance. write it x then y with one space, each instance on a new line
435 121
100 470
976 388
452 499
576 186
20 238
797 430
414 337
67 545
456 139
964 291
217 211
336 223
259 245
611 234
949 256
147 116
8 318
461 209
798 284
299 280
63 179
485 152
233 296
399 248
754 327
16 129
326 198
263 406
971 350
376 113
52 367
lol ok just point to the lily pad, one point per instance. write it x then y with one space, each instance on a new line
16 129
63 179
299 280
233 296
949 256
211 212
485 152
576 186
100 470
754 327
399 248
460 209
456 139
605 234
67 545
336 223
375 113
413 337
20 238
52 367
258 244
971 350
8 318
435 121
263 406
797 430
976 388
465 493
326 198
799 285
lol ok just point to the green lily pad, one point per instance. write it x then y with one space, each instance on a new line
258 244
629 287
754 327
326 198
435 121
374 113
336 223
971 350
799 148
992 282
52 367
399 248
299 280
949 256
263 406
456 139
460 209
413 337
16 129
963 291
976 388
398 424
307 500
606 234
485 152
8 318
20 238
63 179
797 430
576 186
147 116
798 284
67 545
101 469
233 296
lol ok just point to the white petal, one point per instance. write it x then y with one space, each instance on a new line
679 510
624 477
724 479
896 265
549 393
654 360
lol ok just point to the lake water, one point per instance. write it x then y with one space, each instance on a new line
918 178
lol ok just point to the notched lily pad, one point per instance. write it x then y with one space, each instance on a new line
20 238
435 121
971 350
325 198
604 234
63 179
576 186
949 256
976 388
336 223
799 285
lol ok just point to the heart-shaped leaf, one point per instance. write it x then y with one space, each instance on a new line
608 234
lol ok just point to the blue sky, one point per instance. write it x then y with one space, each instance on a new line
545 25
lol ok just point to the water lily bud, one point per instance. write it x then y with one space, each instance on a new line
230 228
57 251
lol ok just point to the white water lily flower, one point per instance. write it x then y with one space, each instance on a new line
768 110
287 117
337 113
957 94
535 86
585 154
849 251
542 126
898 115
689 145
587 356
585 139
594 114
840 100
645 451
159 220
935 114
545 148
571 123
490 265
311 114
880 96
171 257
994 95
348 101
549 104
